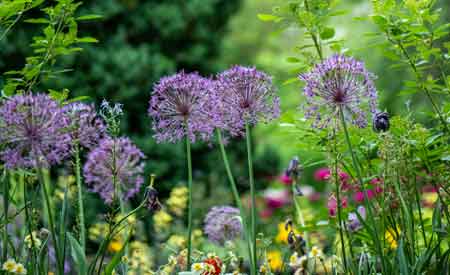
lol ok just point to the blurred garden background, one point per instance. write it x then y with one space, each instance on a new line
140 41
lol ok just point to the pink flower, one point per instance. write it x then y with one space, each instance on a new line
344 202
358 196
285 179
266 213
276 198
315 196
322 174
332 206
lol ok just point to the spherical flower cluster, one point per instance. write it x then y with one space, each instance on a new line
114 162
339 83
33 132
180 106
222 223
245 95
87 127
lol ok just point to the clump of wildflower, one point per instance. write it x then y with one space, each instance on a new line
177 201
115 167
33 132
340 82
245 95
180 106
162 221
87 128
32 240
222 223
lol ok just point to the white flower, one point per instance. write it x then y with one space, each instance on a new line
315 252
198 268
20 269
9 265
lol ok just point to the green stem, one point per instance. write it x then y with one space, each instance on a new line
298 209
5 208
80 198
50 221
237 199
189 163
252 193
366 198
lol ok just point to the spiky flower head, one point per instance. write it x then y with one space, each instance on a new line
222 223
87 127
33 132
180 106
115 167
245 95
340 82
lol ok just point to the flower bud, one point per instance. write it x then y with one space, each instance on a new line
381 122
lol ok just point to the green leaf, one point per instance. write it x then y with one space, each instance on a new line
292 59
327 33
77 255
291 80
89 17
268 17
379 20
86 40
77 99
402 259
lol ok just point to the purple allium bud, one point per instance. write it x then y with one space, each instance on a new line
223 223
245 95
381 122
33 132
180 106
87 127
339 82
128 169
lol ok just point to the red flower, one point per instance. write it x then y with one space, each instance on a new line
216 263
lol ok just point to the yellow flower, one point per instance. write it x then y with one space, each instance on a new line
115 246
275 260
162 220
178 199
9 265
391 237
20 269
177 241
29 241
315 252
282 236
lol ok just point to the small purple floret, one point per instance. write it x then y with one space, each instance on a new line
128 169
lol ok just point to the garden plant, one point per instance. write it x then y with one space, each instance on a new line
80 196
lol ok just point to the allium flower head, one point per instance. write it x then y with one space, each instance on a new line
245 95
33 132
180 106
222 223
87 127
340 82
128 169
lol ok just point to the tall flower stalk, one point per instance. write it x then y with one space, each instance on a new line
181 108
235 192
252 192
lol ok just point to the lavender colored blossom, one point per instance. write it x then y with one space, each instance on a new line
222 223
33 132
87 127
245 95
180 106
340 82
353 222
117 157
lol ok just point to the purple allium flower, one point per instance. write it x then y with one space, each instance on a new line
223 223
87 127
180 106
353 223
128 169
33 132
339 82
245 95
